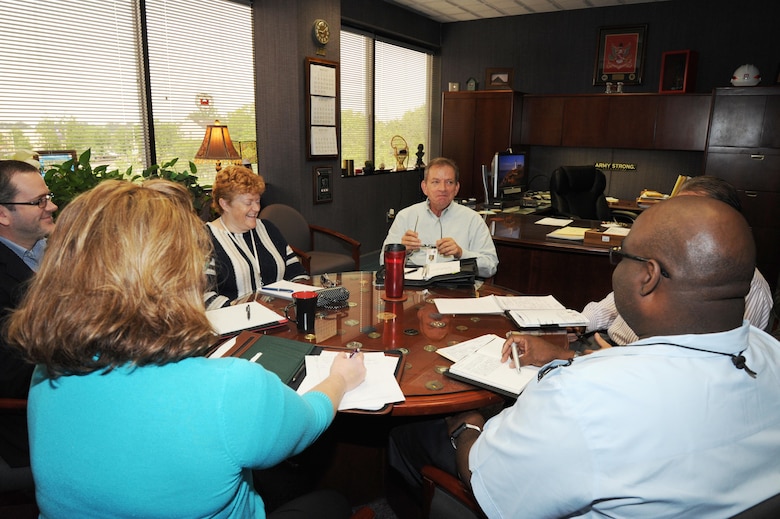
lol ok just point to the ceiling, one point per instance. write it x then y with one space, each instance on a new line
464 10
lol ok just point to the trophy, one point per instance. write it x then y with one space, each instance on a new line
400 152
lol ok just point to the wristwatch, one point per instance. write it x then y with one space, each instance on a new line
457 432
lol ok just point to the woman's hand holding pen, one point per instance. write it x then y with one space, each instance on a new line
351 368
534 350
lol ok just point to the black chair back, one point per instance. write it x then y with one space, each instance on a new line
578 191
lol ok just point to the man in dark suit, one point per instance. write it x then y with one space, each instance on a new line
25 221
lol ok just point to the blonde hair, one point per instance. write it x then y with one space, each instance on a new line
177 192
122 281
235 180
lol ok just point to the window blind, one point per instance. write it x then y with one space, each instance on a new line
385 91
71 77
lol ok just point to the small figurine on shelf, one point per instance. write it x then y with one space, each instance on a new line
368 168
420 153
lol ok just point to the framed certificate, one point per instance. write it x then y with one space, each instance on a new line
322 110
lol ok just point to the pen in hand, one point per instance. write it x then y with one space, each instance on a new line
515 357
248 312
357 350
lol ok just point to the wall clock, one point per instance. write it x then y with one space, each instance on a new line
321 31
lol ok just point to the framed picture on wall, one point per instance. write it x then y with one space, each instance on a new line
620 55
678 72
498 79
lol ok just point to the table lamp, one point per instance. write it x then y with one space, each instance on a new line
216 147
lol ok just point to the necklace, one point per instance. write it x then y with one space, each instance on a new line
243 249
738 360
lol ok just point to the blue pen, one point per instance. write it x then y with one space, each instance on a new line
273 289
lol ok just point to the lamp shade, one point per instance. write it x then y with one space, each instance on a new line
217 146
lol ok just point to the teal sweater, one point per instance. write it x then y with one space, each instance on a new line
177 440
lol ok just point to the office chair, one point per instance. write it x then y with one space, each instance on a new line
300 235
446 497
578 192
17 489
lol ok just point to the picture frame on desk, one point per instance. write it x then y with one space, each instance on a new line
323 187
620 55
678 72
499 79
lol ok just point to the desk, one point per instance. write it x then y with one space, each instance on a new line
414 326
627 205
531 263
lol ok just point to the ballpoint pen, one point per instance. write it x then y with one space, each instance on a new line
248 312
515 357
274 289
357 350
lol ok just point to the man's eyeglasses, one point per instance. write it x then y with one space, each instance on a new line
41 202
616 254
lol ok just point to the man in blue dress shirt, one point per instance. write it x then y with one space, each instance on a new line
684 422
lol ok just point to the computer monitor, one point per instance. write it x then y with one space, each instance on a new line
54 157
509 173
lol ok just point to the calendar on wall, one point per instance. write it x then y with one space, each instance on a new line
322 110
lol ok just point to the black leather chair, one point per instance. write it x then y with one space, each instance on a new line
578 192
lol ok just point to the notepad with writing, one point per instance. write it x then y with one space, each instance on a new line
379 389
478 362
245 316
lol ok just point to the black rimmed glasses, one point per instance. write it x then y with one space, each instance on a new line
617 253
41 202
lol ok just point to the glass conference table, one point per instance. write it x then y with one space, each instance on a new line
413 326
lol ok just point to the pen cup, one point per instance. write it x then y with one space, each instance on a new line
305 304
395 257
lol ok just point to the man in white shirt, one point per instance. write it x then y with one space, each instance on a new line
603 315
455 231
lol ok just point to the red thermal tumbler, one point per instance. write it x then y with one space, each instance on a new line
395 256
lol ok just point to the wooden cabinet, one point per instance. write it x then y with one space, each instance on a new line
475 125
743 147
632 121
681 122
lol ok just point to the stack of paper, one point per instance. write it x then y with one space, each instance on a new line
496 304
478 361
432 270
538 318
569 233
378 389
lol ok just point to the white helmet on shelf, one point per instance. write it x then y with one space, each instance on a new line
746 75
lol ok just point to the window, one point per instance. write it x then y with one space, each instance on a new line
385 92
72 77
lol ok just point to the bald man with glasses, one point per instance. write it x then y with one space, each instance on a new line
26 220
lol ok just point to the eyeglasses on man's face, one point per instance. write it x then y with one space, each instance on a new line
41 202
617 253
